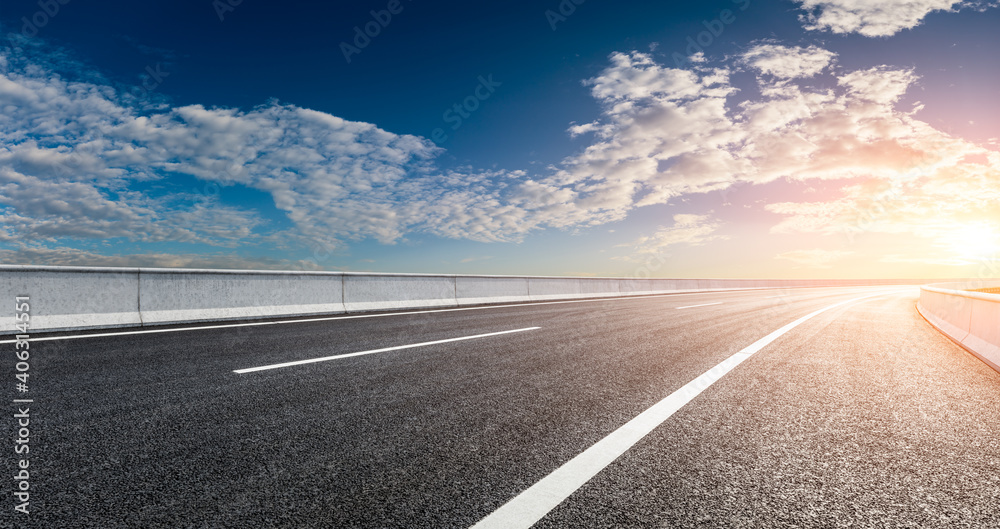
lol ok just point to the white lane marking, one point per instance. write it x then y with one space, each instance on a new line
702 305
373 351
535 502
377 315
145 331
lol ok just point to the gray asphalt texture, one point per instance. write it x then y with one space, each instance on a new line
863 416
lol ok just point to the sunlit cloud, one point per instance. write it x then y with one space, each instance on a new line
787 62
873 18
80 162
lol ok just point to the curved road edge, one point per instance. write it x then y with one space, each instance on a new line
970 319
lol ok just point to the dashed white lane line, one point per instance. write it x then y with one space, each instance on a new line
373 351
702 305
534 503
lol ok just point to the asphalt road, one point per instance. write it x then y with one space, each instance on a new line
862 416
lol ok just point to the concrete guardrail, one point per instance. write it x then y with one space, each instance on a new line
970 319
70 298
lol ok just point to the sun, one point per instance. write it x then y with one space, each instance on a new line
975 240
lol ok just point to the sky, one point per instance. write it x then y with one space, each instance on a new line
725 138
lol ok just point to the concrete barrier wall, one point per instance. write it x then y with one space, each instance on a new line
480 290
174 296
971 319
639 286
398 291
68 298
600 287
549 288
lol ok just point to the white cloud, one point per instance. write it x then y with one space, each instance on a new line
788 62
654 145
657 125
72 152
678 135
688 229
872 18
473 259
881 84
64 256
79 162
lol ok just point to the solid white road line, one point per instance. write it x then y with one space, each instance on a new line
702 305
534 503
373 351
146 331
356 316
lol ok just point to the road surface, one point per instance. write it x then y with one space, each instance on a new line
859 415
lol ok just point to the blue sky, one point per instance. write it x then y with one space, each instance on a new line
809 138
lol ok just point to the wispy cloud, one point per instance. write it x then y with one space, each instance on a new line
690 230
63 256
474 259
816 258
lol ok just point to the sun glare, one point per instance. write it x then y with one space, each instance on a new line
977 240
